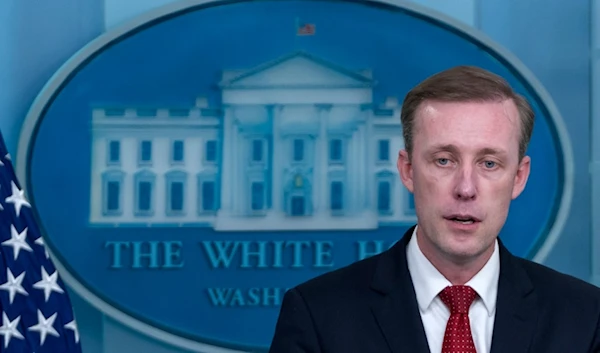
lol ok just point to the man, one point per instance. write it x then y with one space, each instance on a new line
449 285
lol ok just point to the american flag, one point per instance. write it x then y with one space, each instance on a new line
36 311
305 29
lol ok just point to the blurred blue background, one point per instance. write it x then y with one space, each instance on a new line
557 40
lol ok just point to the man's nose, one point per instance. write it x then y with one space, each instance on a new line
466 185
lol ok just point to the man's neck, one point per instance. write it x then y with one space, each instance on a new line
457 270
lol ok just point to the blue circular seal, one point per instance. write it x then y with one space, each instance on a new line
189 167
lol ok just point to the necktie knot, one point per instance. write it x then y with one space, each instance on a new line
458 298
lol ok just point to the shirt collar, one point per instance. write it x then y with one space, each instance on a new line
429 282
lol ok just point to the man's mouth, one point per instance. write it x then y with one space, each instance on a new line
463 219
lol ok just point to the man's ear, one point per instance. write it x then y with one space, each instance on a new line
405 170
521 176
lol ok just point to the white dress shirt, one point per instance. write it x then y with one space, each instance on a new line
429 282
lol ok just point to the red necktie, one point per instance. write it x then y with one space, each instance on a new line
458 336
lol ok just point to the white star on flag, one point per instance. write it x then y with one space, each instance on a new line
17 241
40 241
48 283
24 326
9 329
73 326
17 198
44 326
13 285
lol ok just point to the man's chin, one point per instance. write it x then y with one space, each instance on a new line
464 251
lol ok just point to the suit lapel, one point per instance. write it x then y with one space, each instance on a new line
395 308
401 325
516 314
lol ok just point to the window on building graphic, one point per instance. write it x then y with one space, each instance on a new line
114 112
112 182
146 112
176 196
335 150
114 191
298 205
337 196
145 152
176 185
258 196
144 189
208 196
114 152
144 196
178 112
298 150
177 151
384 196
211 151
257 150
383 151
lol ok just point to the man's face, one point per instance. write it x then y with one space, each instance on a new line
464 172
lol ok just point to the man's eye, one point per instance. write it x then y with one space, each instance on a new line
442 161
490 164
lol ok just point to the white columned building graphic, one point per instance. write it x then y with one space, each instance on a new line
295 144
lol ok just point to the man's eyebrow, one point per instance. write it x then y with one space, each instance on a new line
453 149
494 151
444 147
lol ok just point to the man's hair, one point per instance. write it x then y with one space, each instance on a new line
464 84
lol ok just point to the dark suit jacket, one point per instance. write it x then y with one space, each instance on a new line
371 307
